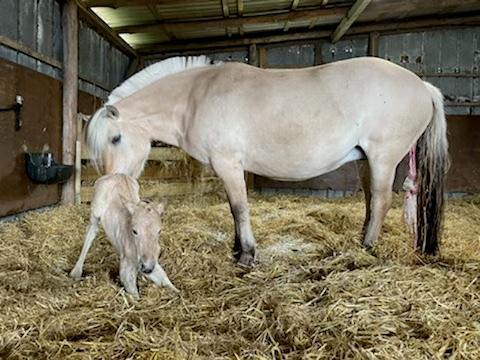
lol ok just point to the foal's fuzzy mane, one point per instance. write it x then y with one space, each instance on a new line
155 72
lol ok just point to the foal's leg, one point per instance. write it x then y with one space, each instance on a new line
128 275
160 278
92 229
382 176
364 172
231 172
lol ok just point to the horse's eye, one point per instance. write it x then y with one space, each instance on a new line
134 232
116 139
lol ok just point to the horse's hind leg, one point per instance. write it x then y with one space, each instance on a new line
231 172
382 174
92 229
364 172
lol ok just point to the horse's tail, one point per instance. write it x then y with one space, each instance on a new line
432 164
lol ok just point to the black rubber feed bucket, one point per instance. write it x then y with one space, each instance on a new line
42 169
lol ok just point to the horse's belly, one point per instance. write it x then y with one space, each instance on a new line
301 168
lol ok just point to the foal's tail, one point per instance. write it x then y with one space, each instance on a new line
432 164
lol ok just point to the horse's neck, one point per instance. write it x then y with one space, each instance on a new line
160 109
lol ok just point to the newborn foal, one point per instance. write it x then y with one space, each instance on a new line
132 226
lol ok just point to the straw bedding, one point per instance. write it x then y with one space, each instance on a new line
315 293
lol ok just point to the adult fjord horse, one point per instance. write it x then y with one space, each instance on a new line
284 124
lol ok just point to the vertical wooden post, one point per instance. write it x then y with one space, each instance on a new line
70 92
373 44
318 53
262 57
252 54
78 161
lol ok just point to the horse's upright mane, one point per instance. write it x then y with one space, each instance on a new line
155 72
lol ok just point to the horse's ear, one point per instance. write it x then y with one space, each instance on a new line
83 117
112 112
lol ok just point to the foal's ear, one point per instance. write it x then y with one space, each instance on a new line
129 205
112 112
160 207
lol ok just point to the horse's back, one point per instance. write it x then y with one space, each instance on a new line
299 123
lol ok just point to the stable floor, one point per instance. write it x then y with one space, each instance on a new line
314 294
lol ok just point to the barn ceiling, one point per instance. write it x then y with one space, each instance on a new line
150 25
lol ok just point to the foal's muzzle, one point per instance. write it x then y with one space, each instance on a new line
147 269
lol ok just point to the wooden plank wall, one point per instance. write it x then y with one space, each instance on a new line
168 172
42 128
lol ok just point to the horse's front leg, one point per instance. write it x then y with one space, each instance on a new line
232 174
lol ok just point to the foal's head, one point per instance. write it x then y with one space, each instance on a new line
117 145
145 227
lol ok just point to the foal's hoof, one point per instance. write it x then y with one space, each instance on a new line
75 274
367 244
246 258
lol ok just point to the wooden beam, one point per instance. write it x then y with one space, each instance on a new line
240 7
129 3
205 45
4 41
103 29
416 24
355 11
156 154
294 4
169 189
70 93
226 11
153 10
330 15
12 44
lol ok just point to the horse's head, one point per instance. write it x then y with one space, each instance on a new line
117 145
145 227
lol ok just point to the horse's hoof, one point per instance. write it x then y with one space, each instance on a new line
246 259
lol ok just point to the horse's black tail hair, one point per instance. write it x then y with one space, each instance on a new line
432 165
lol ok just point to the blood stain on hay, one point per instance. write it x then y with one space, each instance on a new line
315 293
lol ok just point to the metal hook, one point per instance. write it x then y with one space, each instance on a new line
17 107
